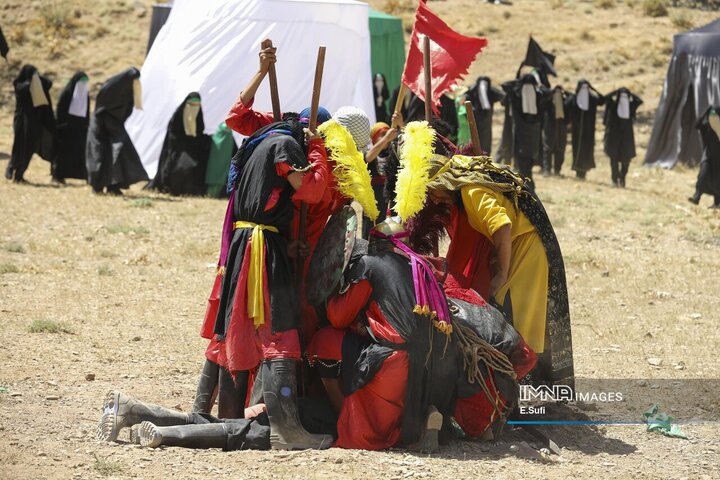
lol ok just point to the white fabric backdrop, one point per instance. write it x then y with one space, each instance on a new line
212 47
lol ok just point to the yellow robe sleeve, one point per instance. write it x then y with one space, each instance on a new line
484 210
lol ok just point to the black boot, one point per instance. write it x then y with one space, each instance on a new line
280 393
695 198
120 410
205 393
211 435
9 172
256 394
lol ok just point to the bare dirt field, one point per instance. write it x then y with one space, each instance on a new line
117 288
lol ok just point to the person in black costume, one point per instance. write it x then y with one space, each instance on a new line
73 117
708 180
582 106
527 99
483 96
111 159
619 142
33 124
382 95
555 131
414 109
184 156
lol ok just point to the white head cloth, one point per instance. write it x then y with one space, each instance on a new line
583 97
714 121
558 103
623 106
79 101
137 94
37 94
190 113
482 94
529 99
357 123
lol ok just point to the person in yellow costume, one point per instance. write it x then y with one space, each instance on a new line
528 277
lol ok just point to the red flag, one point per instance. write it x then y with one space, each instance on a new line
450 55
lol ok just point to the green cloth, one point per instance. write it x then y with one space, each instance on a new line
658 421
463 134
387 48
221 152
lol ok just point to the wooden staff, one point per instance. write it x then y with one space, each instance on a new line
274 95
470 113
399 102
428 79
319 66
312 125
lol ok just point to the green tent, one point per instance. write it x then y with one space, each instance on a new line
387 47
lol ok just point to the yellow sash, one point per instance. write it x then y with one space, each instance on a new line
255 291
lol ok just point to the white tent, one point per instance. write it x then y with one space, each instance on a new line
212 47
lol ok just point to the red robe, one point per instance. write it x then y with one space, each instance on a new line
371 417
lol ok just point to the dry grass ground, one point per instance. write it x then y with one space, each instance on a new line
116 287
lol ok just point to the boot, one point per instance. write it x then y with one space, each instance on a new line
695 198
256 394
280 393
211 435
120 410
206 387
231 394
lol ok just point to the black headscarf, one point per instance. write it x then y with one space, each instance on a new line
34 127
183 159
69 158
111 158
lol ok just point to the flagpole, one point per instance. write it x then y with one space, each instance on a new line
428 79
398 103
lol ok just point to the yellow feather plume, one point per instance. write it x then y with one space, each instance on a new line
414 175
351 172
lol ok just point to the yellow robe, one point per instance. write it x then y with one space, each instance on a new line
527 282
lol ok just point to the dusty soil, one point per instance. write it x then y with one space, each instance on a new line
127 279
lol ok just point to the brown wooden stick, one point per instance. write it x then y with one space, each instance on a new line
274 95
312 125
317 85
399 102
428 79
470 113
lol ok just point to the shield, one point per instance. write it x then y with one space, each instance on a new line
331 255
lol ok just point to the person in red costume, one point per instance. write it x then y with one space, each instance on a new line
215 379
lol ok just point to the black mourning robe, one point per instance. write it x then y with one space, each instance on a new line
257 178
69 158
583 128
555 129
433 369
111 159
619 140
381 96
526 127
183 159
413 109
709 175
34 127
483 116
504 149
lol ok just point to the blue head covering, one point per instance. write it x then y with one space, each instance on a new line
323 115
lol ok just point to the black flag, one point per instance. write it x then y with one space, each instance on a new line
535 57
4 49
